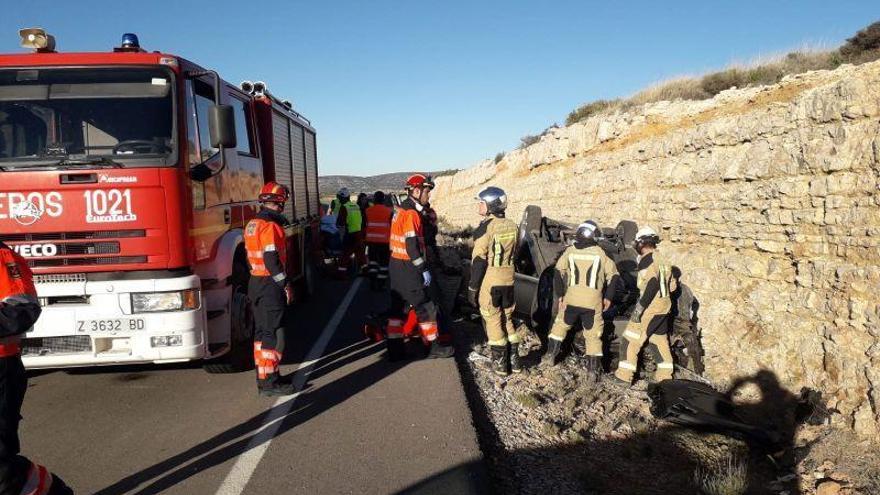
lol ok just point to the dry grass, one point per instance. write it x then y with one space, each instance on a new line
863 47
729 477
680 88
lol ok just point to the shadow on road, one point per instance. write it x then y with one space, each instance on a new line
237 440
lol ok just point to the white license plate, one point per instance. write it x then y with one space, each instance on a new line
111 325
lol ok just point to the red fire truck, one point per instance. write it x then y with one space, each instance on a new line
125 180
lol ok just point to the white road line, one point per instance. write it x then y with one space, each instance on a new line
244 467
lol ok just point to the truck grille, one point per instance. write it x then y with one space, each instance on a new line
72 236
57 278
107 260
83 248
75 344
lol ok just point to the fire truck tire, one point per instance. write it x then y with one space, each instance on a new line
305 286
241 355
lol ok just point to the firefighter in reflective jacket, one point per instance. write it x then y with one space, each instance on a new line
19 310
586 279
649 322
349 221
269 290
377 237
491 282
409 274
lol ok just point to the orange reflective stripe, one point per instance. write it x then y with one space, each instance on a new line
378 223
260 237
407 223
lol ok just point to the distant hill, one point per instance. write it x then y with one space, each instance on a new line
329 184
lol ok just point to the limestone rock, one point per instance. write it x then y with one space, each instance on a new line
768 200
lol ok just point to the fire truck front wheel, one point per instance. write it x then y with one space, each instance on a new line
241 339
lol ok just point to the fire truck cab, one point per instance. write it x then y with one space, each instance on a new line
126 178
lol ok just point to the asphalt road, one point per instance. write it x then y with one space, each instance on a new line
360 425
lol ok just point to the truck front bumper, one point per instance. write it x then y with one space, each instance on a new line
87 323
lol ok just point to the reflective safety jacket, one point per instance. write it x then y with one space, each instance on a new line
379 224
266 246
585 275
349 216
656 284
494 249
19 306
407 241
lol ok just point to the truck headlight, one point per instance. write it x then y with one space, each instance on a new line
151 302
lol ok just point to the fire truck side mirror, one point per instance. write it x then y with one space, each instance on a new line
221 122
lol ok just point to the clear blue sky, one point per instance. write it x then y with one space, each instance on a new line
402 85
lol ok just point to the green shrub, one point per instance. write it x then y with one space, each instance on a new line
719 81
528 140
499 156
593 108
866 40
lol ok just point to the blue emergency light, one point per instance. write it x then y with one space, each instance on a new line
130 41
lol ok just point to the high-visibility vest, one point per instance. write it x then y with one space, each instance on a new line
334 207
16 285
407 223
260 237
378 224
353 218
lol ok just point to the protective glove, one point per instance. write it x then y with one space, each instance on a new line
426 276
636 316
472 297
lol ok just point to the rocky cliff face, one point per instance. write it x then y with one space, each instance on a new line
768 199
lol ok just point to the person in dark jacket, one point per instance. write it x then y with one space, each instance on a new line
19 310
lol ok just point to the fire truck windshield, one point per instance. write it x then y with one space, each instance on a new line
66 117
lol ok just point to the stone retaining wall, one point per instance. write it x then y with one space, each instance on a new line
768 199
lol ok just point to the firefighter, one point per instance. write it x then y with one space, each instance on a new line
350 222
410 276
269 290
19 310
431 229
491 281
649 322
378 233
586 279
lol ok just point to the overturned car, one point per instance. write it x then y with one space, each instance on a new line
540 243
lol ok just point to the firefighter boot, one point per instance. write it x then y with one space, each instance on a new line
578 354
593 364
549 359
499 358
274 385
438 350
515 361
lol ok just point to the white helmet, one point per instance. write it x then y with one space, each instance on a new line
647 235
495 199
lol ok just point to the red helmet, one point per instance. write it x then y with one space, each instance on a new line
420 181
274 192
